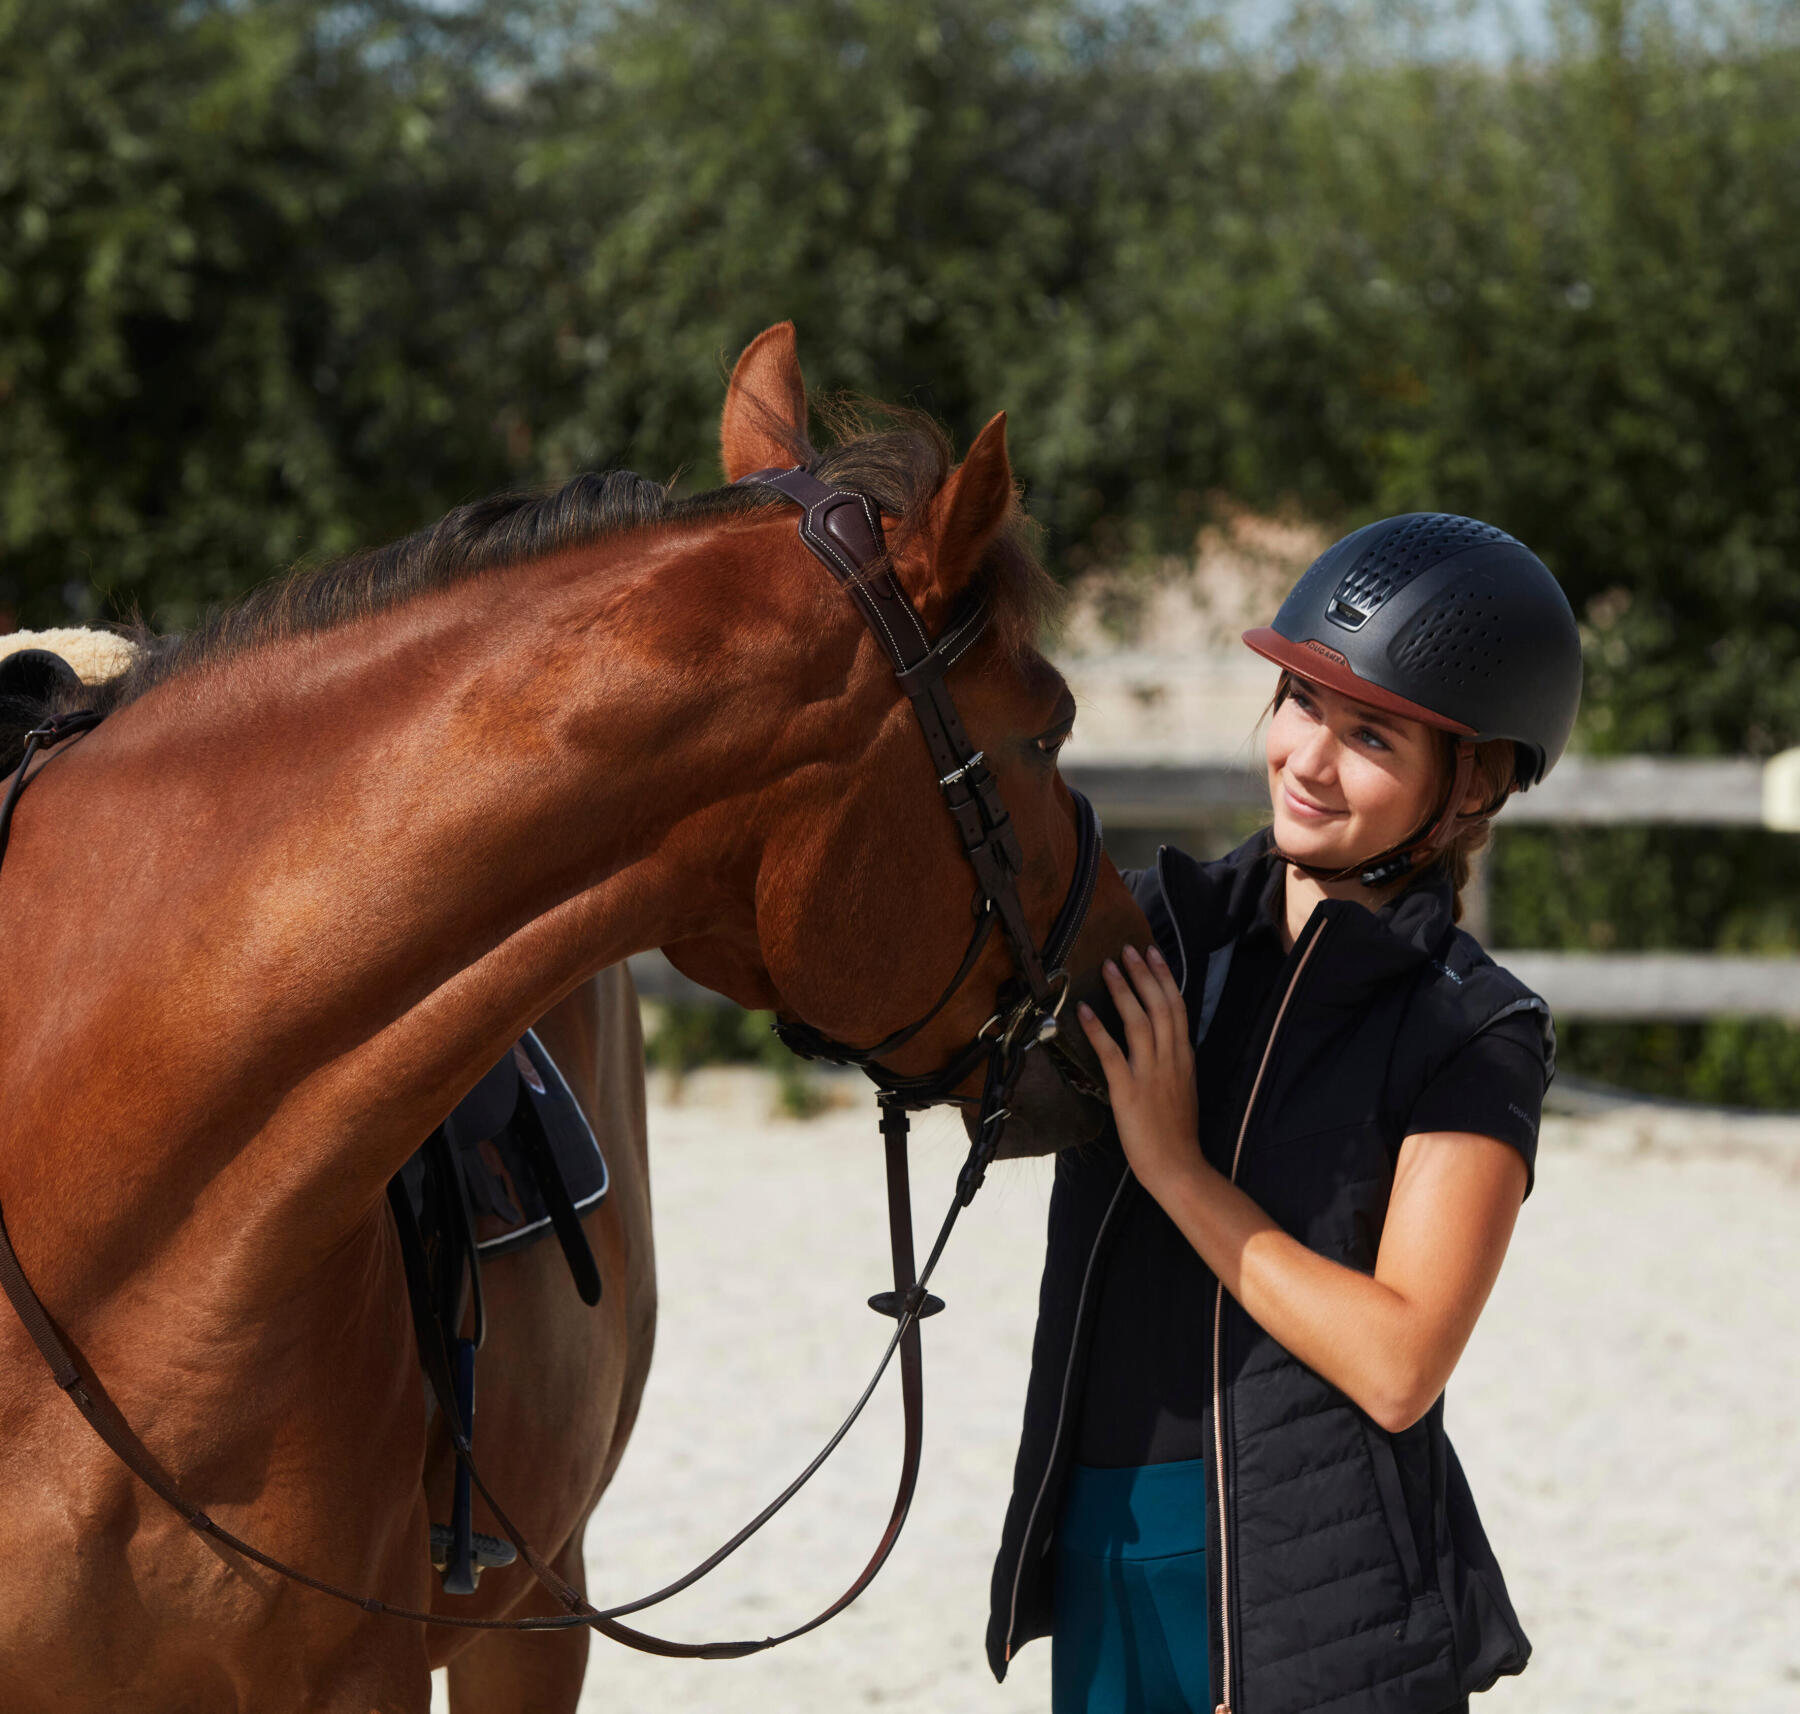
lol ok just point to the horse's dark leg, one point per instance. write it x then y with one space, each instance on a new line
530 1672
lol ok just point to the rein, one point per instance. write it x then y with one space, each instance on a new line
843 530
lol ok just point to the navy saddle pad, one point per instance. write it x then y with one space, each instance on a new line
483 1131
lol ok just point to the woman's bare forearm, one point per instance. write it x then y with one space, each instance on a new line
1362 1336
1391 1339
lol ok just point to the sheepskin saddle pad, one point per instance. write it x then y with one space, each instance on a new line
90 656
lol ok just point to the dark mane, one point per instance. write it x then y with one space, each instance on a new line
899 458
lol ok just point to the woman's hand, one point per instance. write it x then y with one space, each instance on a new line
1390 1341
1152 1085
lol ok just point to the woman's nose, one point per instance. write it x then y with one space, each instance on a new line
1315 756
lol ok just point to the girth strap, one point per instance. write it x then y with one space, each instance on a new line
565 1221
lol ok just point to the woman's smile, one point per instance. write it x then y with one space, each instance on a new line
1305 807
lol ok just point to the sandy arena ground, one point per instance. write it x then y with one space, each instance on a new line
1628 1413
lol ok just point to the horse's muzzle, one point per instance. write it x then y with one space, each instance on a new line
1060 1100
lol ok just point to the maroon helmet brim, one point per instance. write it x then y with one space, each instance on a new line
1319 664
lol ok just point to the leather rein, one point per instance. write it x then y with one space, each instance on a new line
843 529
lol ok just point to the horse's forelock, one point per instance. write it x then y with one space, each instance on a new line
900 458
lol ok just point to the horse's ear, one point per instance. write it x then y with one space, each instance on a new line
970 508
764 425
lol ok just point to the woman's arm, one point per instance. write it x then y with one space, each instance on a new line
1389 1341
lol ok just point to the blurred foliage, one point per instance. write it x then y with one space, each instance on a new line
685 1035
1733 1062
1639 889
265 290
282 276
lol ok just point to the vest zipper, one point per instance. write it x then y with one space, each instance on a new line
1237 1152
1062 1410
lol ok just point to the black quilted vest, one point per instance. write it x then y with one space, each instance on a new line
1359 1578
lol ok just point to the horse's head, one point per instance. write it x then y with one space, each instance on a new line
863 888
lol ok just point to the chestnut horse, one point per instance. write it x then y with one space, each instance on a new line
322 862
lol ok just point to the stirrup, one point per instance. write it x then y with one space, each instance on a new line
490 1550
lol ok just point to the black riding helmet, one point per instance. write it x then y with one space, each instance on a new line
1443 620
1440 619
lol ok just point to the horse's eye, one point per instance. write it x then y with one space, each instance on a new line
1051 742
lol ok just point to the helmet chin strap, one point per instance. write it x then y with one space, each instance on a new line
1397 860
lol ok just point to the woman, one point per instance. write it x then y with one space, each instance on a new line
1234 1488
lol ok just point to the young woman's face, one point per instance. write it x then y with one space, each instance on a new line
1347 781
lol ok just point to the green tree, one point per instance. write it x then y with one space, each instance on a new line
885 176
258 296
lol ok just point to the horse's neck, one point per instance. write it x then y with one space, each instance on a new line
375 855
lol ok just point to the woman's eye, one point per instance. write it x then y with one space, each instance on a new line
1374 740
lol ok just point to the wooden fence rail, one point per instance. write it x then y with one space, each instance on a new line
1723 792
1664 987
1586 791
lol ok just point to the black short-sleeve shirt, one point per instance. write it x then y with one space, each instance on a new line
1148 1382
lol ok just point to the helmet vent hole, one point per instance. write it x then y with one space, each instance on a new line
1390 564
1451 644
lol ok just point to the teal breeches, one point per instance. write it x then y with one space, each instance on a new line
1130 1628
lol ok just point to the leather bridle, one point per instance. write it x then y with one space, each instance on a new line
843 529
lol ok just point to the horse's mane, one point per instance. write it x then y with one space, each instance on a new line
899 458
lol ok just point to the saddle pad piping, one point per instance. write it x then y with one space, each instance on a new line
521 1235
